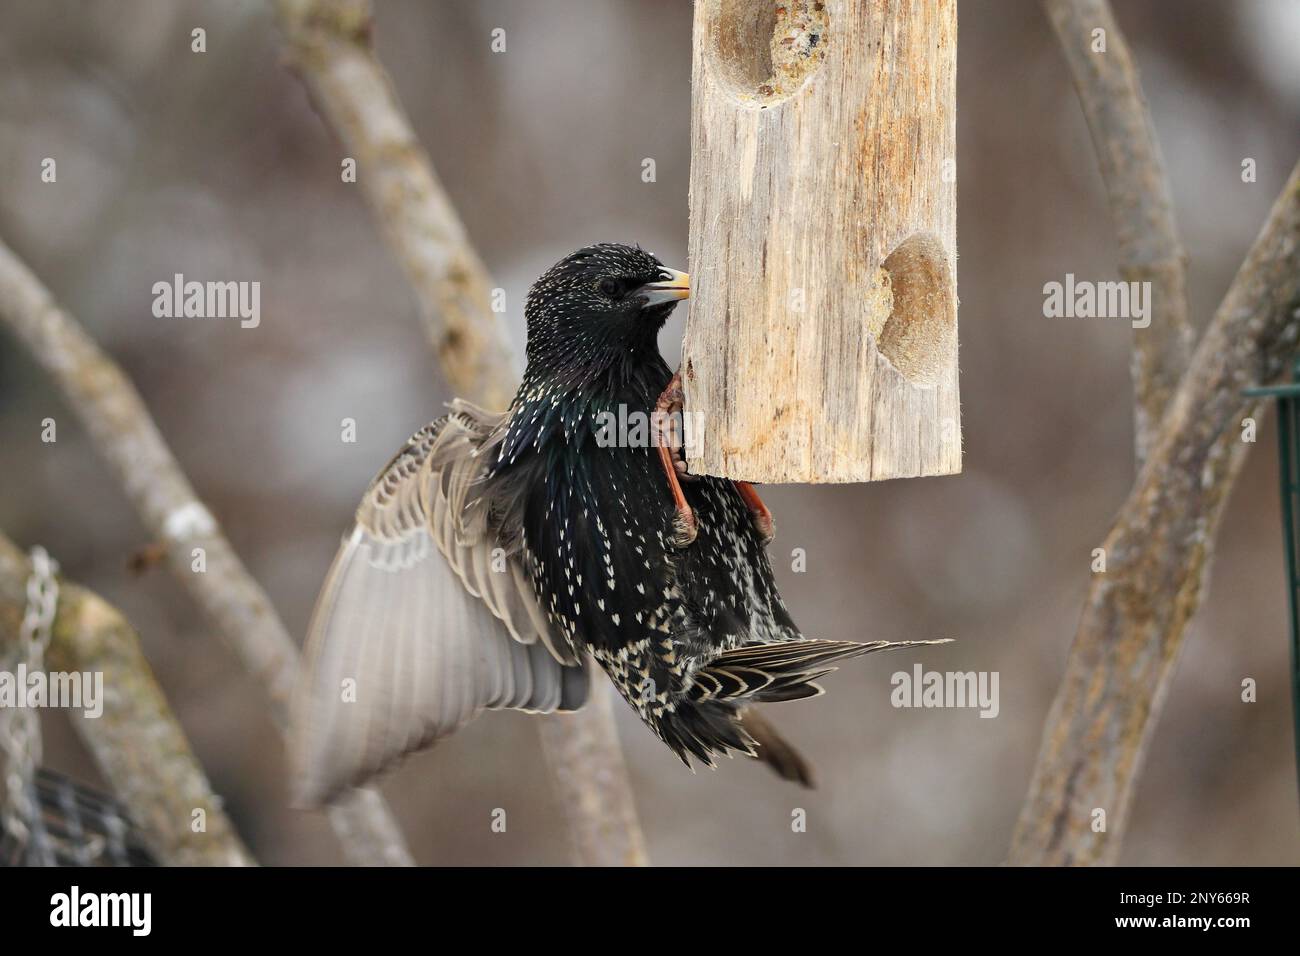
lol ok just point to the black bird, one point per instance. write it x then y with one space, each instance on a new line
495 551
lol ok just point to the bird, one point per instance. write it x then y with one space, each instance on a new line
497 554
73 825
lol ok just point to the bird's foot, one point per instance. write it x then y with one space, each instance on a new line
758 513
684 528
673 461
670 429
679 464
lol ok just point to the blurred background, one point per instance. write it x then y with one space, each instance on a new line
215 165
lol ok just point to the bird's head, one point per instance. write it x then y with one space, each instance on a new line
600 306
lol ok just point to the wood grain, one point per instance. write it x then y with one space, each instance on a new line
822 339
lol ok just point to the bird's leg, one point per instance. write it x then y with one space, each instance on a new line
672 460
762 518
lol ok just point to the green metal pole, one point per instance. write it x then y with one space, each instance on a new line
1288 441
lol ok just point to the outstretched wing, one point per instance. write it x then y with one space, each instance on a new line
424 620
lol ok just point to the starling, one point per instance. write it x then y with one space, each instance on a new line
73 826
496 552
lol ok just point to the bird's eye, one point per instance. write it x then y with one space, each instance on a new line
611 288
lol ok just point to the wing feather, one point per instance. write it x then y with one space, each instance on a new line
414 632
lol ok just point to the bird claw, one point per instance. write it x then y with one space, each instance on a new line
673 462
679 465
684 529
758 513
668 427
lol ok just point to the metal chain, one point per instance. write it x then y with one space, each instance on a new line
20 727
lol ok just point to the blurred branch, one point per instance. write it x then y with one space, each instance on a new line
119 425
1157 554
1140 203
590 778
330 45
136 741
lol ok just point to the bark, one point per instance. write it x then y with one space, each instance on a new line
329 44
1157 553
136 742
1140 203
120 427
822 338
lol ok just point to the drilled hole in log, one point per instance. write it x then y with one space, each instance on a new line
765 51
920 336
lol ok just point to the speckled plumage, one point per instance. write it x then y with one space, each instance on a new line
495 551
595 524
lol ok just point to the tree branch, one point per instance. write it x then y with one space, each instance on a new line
136 741
1158 551
1140 204
118 423
330 45
590 780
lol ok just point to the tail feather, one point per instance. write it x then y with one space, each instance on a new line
769 672
775 751
713 718
801 687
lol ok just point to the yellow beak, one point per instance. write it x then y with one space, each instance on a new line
676 286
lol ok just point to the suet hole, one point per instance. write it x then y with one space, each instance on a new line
765 52
920 336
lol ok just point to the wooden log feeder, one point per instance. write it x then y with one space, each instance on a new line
822 338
